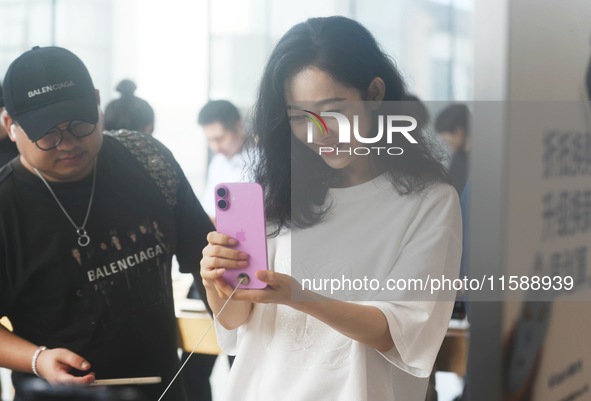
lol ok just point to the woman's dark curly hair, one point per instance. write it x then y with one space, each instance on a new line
296 179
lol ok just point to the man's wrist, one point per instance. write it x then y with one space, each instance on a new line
38 352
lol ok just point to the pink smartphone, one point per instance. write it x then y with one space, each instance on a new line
240 213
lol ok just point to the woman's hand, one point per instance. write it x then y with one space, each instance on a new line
54 366
364 323
218 256
281 289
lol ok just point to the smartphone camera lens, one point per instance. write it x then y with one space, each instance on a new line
222 192
222 204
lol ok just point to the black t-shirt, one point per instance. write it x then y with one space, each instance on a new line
8 151
110 301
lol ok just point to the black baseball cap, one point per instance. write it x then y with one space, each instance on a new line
45 87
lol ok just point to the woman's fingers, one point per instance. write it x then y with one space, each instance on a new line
224 252
219 256
217 238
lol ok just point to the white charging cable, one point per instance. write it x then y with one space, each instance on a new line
215 318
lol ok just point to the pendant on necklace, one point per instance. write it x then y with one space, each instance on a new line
83 238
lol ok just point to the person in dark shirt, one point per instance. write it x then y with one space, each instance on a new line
84 302
8 150
453 124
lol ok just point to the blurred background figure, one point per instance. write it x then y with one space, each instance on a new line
129 111
453 124
8 150
224 130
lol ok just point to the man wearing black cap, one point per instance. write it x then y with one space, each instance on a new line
80 311
8 150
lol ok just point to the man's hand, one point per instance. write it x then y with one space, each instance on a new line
54 366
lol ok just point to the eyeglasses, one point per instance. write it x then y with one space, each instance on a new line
53 137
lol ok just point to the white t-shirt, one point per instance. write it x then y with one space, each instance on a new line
221 169
370 231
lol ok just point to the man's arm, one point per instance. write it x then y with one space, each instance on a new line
193 225
52 364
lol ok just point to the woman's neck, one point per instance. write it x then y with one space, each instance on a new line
356 173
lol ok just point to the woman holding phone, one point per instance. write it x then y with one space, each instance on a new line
334 211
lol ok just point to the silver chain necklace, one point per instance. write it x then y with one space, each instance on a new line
83 238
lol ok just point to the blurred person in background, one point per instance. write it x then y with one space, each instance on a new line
129 112
224 130
453 124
